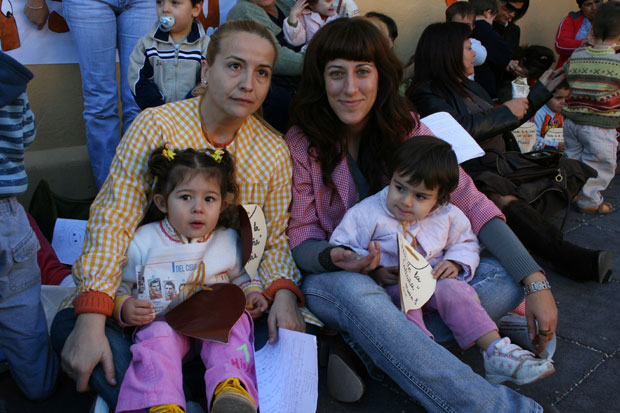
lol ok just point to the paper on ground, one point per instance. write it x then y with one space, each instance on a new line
446 128
68 239
416 281
287 374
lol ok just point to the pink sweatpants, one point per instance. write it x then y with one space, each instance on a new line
459 308
155 373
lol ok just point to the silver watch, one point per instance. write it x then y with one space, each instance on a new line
536 286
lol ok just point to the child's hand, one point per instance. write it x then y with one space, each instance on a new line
446 269
256 304
137 312
297 10
352 262
385 275
561 147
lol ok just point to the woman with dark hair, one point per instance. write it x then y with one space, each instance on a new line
349 119
441 85
574 29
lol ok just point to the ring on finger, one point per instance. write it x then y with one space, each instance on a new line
546 333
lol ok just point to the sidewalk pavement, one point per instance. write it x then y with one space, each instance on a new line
587 359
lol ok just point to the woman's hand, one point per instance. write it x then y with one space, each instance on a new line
446 269
257 304
298 9
352 262
540 308
385 275
137 312
86 347
37 12
518 106
284 313
552 78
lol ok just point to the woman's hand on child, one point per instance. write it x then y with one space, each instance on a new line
446 269
298 9
352 262
256 304
385 275
137 312
552 78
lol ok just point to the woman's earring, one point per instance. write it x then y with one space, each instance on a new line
204 82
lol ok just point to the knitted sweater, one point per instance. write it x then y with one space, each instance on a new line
594 78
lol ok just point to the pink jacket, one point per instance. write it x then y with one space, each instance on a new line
315 213
307 26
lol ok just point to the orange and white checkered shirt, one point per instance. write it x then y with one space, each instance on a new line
263 175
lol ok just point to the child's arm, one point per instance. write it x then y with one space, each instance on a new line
294 26
353 231
462 246
140 76
252 288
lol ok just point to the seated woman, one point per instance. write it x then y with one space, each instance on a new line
349 119
271 14
440 84
575 28
235 80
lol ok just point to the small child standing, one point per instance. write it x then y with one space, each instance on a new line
415 204
306 18
592 112
165 64
193 189
549 116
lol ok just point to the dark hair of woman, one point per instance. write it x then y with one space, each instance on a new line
439 57
170 171
390 120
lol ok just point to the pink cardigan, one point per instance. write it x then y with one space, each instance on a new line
314 217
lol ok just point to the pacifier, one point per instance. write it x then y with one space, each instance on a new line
166 23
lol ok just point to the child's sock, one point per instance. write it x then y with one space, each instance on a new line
489 350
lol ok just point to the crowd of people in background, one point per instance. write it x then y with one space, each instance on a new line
303 108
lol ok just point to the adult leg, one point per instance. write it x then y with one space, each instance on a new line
120 343
155 375
234 359
23 329
135 20
355 305
93 29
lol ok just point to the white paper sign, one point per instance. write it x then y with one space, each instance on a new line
525 136
415 279
287 374
68 239
167 271
554 136
259 237
446 128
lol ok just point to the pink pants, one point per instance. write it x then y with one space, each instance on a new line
459 308
155 377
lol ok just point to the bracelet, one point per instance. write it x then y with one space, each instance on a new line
34 8
536 286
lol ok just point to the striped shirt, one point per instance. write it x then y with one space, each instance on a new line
17 132
263 174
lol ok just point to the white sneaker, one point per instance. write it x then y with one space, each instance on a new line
510 362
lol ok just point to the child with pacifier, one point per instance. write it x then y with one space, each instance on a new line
306 18
194 191
165 64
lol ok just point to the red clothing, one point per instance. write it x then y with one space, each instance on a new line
565 42
315 213
52 270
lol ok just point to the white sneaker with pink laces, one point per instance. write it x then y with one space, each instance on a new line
510 362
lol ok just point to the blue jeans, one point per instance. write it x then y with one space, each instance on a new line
363 312
23 329
98 28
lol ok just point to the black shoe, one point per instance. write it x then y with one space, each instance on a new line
344 373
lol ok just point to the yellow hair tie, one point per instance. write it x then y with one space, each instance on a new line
217 155
168 154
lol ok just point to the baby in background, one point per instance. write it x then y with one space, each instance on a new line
416 205
165 65
550 117
306 18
